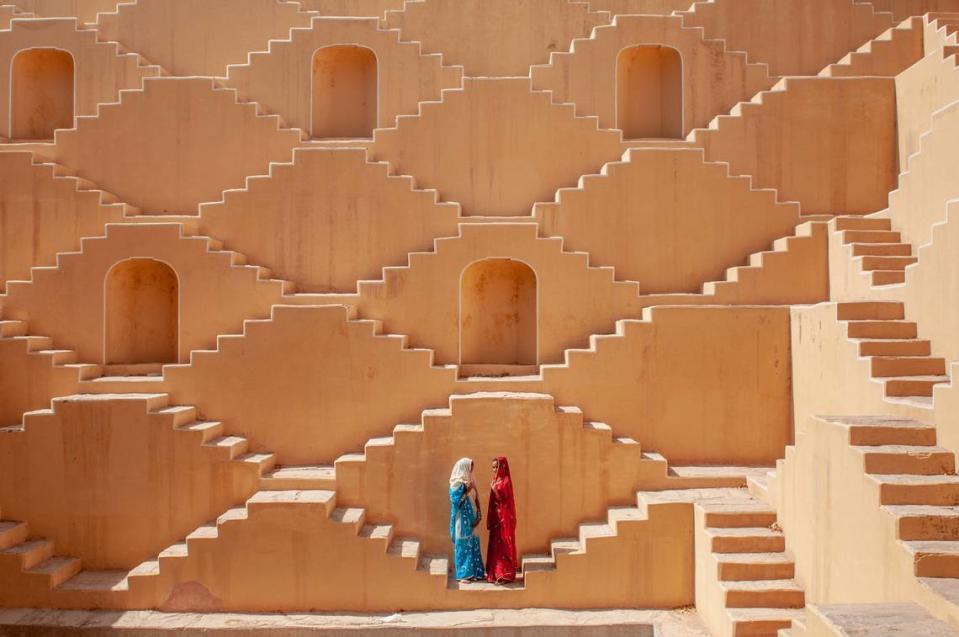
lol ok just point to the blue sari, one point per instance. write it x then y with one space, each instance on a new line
466 545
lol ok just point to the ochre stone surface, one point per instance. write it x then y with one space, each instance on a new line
268 268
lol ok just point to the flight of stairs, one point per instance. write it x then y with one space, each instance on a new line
899 359
887 55
37 556
749 573
918 487
877 249
17 331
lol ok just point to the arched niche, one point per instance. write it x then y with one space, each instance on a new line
649 92
41 95
142 313
498 320
344 92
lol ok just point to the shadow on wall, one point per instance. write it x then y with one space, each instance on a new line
41 99
344 92
649 92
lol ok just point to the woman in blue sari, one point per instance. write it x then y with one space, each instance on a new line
464 517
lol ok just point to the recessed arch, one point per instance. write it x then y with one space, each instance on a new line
498 313
142 312
41 93
649 92
344 92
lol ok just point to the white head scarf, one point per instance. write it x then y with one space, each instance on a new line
462 472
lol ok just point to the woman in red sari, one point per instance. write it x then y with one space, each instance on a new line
501 563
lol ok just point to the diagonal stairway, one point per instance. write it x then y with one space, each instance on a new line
899 359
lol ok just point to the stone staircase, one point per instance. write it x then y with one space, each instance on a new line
16 331
36 557
745 584
899 359
918 488
876 249
887 55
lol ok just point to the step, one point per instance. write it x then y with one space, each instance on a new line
746 540
912 489
592 530
349 515
888 277
887 366
208 429
758 516
58 569
377 532
754 566
880 430
890 263
934 558
870 310
897 330
263 461
871 236
862 223
13 328
923 522
564 546
763 594
35 343
299 477
913 385
906 347
12 533
881 249
31 552
907 459
233 445
106 581
531 563
434 565
761 622
404 547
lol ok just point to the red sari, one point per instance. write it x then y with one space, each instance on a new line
501 563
